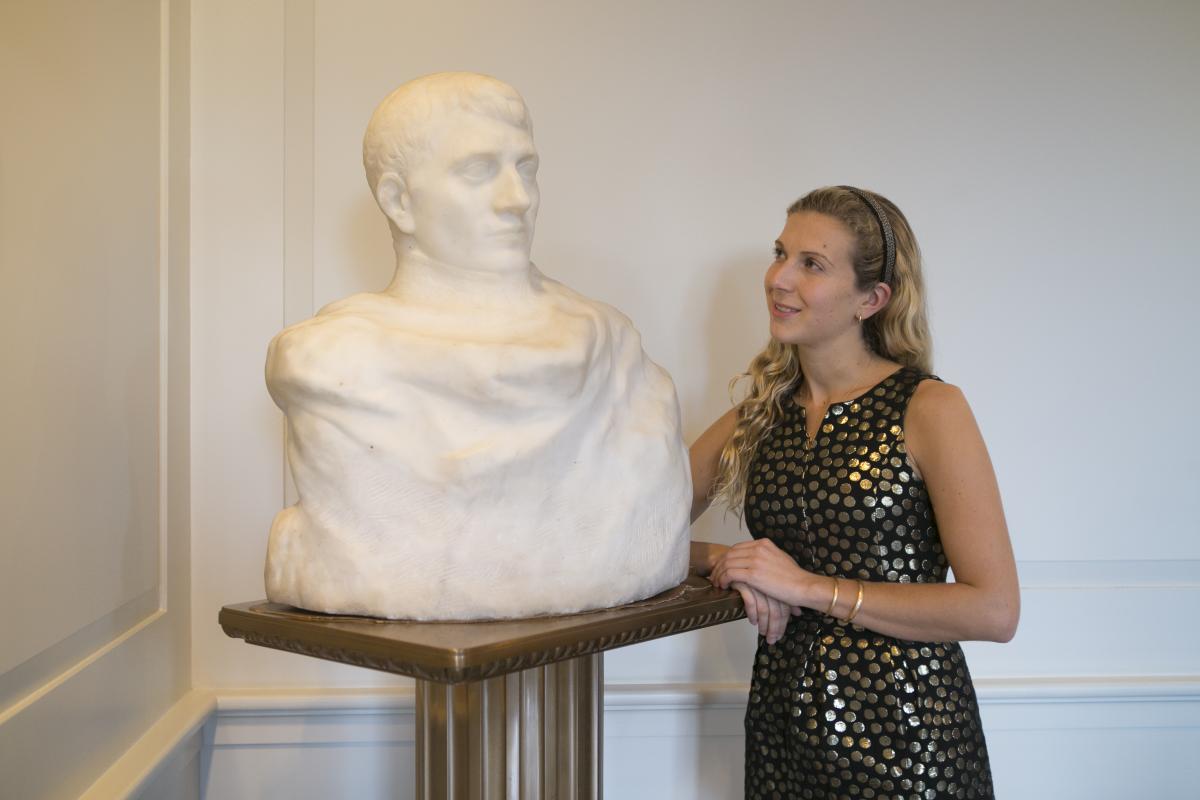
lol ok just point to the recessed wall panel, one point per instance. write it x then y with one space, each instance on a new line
79 333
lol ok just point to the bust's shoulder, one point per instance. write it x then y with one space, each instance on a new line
569 300
354 313
325 339
361 307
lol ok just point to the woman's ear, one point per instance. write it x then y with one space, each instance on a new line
392 195
875 300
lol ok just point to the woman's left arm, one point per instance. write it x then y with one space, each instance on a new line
944 443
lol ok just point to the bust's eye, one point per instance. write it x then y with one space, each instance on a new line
477 169
528 168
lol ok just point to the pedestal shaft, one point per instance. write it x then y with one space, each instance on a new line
529 735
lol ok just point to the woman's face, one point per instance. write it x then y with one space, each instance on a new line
812 293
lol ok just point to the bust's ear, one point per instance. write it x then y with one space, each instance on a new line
392 194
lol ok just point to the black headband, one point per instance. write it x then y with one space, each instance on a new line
885 227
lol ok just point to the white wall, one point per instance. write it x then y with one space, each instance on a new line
94 571
1044 154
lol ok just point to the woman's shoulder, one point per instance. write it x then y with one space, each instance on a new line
937 407
933 391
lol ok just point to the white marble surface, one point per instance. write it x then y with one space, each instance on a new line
476 440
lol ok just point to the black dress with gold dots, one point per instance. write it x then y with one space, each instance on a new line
836 710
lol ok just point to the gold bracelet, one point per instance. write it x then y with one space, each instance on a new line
833 602
857 604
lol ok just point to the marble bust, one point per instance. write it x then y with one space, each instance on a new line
477 440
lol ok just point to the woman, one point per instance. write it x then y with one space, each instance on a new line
863 480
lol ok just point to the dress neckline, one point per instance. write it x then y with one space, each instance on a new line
891 375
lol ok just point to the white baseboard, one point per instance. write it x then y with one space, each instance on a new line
157 758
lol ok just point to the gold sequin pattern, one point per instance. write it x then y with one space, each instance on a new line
838 711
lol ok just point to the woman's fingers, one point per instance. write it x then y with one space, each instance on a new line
749 601
768 614
765 610
736 567
729 571
780 613
718 571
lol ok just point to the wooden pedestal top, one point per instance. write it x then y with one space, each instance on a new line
454 652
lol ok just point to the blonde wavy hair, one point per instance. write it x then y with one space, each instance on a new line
899 331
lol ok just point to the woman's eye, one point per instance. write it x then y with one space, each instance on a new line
812 263
779 254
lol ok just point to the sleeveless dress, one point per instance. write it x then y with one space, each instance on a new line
836 710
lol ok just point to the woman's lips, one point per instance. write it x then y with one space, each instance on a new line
781 311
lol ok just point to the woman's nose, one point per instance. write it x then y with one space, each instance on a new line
778 277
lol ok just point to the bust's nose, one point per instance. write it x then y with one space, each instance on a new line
511 195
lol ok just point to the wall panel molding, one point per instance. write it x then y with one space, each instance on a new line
299 130
1110 574
26 683
299 56
261 707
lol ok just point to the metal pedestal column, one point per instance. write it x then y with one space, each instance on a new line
530 735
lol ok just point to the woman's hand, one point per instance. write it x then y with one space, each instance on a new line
770 615
704 556
764 567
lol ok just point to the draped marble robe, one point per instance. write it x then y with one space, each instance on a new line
476 463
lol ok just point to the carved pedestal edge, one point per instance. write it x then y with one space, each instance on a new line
533 658
372 644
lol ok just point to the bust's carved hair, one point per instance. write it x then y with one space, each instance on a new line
400 130
899 331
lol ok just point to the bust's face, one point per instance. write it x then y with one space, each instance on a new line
474 196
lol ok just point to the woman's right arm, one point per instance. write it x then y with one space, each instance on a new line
705 455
